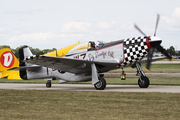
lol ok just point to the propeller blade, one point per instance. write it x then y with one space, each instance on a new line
139 29
163 51
157 21
149 58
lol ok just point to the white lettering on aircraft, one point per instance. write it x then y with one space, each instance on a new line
7 59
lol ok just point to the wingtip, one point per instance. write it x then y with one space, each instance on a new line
147 70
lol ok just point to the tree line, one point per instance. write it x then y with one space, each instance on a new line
37 51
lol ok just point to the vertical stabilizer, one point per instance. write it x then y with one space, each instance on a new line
8 60
24 52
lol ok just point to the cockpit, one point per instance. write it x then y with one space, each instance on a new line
95 45
86 46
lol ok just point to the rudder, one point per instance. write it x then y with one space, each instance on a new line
24 52
7 61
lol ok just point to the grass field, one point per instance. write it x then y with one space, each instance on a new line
84 105
64 105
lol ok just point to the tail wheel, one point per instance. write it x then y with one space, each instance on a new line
48 84
144 82
101 85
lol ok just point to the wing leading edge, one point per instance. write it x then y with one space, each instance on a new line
72 65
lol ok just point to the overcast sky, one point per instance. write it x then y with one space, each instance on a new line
47 24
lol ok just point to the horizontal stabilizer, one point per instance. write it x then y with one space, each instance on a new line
25 67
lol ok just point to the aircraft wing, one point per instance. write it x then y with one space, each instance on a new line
71 65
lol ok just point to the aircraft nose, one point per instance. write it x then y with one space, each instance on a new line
154 42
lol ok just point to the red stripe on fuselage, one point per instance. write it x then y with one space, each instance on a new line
123 55
47 72
148 43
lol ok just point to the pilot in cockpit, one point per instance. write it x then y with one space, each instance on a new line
96 46
92 46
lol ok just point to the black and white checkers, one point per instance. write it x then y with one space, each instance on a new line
134 50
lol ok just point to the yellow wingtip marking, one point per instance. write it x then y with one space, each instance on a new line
172 59
147 70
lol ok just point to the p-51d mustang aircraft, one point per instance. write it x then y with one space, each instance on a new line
88 60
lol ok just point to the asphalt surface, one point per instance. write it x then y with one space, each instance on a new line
89 87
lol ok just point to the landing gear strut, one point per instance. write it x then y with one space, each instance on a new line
97 79
48 84
143 81
101 85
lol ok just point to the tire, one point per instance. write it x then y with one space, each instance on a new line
101 85
48 84
144 83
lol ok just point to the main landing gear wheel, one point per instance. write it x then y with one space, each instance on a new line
144 82
101 85
48 84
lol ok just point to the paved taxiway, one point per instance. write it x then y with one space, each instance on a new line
88 87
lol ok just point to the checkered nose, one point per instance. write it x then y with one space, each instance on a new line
153 42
